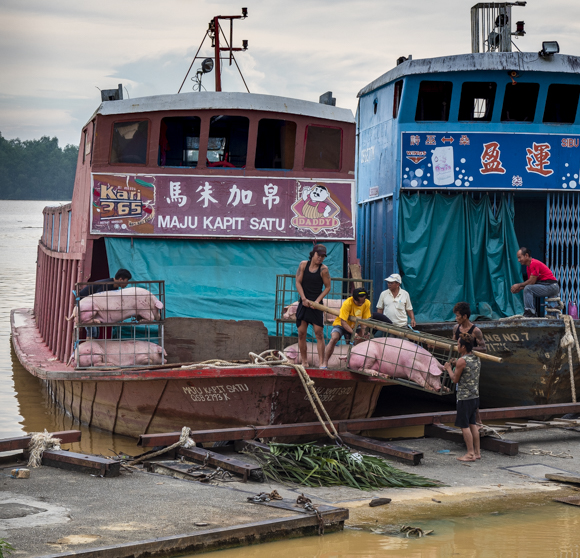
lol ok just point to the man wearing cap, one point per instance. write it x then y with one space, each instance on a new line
356 305
395 303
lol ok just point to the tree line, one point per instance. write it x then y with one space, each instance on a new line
36 169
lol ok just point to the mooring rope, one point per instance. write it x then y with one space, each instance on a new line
39 443
184 441
570 338
276 358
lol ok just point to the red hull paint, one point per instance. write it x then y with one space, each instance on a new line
151 401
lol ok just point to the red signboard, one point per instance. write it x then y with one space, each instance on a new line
209 206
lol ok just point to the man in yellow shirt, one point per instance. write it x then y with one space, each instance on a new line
357 305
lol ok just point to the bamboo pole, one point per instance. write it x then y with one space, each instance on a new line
434 340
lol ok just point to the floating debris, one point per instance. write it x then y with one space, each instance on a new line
414 531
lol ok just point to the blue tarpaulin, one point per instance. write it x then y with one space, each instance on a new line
230 280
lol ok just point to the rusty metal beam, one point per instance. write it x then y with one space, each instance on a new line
82 463
202 455
22 442
382 448
507 447
353 425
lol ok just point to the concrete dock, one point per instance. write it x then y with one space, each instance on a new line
63 513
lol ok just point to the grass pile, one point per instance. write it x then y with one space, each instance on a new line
313 465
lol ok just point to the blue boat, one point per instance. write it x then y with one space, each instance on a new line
460 161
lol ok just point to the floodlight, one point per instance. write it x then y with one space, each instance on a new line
244 12
549 48
244 44
207 65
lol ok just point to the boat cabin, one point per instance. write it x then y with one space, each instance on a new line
214 193
460 161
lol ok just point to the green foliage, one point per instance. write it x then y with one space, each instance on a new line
5 548
36 169
313 465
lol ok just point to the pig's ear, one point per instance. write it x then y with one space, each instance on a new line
159 304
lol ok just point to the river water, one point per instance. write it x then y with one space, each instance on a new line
547 530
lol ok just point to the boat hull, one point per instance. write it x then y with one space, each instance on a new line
534 370
135 402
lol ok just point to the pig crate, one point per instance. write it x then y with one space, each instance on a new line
287 298
394 350
141 339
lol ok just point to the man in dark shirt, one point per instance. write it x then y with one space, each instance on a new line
540 282
122 277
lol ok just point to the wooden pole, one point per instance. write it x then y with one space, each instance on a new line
440 342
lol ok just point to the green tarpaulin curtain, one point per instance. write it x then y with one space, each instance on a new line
228 280
452 249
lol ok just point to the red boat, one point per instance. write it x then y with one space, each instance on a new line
205 191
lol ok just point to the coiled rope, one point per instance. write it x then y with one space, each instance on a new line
184 441
570 338
39 443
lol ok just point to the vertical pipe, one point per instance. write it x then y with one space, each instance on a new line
60 308
68 232
45 304
53 305
218 70
70 325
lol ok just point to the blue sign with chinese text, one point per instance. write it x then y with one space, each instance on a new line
490 161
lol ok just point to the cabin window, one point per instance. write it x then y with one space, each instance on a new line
397 97
130 142
179 141
519 102
562 103
476 102
275 145
323 147
434 100
228 141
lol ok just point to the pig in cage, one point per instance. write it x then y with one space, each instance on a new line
406 357
119 327
286 306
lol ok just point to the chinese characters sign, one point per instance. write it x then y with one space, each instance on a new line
212 206
490 161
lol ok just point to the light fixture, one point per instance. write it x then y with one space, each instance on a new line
520 32
501 20
549 48
244 12
207 65
493 40
244 44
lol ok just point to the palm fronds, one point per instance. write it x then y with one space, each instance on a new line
313 465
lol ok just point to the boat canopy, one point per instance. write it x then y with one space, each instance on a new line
486 61
216 279
209 100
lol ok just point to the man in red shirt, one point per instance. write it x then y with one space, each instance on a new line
540 282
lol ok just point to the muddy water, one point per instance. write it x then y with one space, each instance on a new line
24 404
544 531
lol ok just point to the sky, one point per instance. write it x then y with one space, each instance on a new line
55 55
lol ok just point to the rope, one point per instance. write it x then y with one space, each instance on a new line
276 358
39 443
184 440
570 338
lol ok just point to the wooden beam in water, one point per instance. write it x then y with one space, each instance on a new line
22 442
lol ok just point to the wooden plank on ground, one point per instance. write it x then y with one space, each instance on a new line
81 463
507 447
574 479
250 445
202 455
22 442
382 448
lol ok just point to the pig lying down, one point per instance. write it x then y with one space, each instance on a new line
337 360
112 352
116 306
398 358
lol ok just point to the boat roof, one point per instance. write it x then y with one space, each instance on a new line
519 61
223 100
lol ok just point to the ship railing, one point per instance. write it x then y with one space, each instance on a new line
56 227
286 304
401 355
120 328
